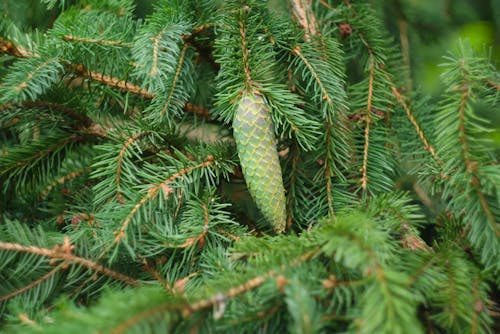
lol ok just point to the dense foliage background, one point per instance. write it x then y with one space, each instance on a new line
124 205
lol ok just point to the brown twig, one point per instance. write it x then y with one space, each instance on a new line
111 81
64 253
76 39
368 119
8 47
244 50
493 84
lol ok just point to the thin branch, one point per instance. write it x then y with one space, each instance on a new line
175 79
32 284
244 50
41 153
197 110
328 161
64 253
368 119
8 48
61 180
405 48
111 81
31 74
291 189
420 133
76 39
477 307
121 156
156 47
471 165
230 235
324 92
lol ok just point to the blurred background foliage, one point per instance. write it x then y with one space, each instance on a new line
424 29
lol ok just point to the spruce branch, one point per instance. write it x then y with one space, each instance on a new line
9 48
124 85
151 194
105 159
470 164
34 283
120 162
61 180
427 146
77 39
64 253
111 81
368 120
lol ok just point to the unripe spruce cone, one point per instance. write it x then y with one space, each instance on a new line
256 145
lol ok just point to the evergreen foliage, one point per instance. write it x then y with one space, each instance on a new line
124 207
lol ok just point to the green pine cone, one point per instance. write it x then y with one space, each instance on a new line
256 144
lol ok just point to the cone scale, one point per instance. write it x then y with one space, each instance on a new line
256 145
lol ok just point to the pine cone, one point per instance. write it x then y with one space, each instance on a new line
256 144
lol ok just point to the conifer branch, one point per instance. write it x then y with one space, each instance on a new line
37 70
175 79
32 284
244 50
64 253
61 180
186 309
291 188
368 119
97 105
156 49
87 40
323 81
151 194
493 84
325 94
82 119
7 47
111 81
230 235
197 110
119 164
427 146
471 165
40 154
